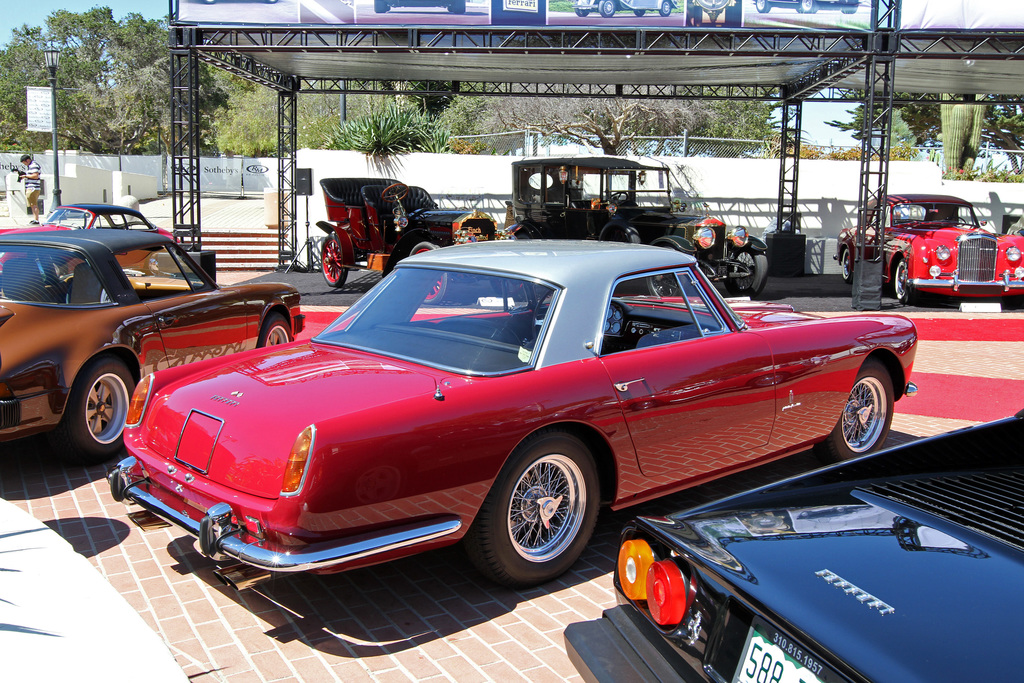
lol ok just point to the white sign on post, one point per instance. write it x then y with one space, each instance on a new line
39 109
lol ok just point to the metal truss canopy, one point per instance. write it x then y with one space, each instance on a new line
880 67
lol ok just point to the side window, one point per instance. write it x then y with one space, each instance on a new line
529 183
554 193
662 308
45 275
155 273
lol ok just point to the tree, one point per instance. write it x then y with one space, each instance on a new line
604 123
114 86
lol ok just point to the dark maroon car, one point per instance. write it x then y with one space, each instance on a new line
85 314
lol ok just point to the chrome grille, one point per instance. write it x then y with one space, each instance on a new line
977 258
991 503
10 413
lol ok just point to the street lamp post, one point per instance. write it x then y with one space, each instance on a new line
52 55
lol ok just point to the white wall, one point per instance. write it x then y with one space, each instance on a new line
739 191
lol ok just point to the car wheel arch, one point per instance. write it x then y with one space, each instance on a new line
596 443
892 364
404 246
275 307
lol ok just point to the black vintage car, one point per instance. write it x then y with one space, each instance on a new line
373 223
614 199
904 565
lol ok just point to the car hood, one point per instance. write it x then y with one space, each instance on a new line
256 404
881 573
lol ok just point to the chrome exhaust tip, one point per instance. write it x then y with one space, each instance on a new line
910 390
241 576
147 521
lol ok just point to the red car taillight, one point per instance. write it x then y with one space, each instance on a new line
137 406
668 590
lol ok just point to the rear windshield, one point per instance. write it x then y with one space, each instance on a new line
49 275
470 323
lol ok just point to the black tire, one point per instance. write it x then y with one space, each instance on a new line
521 536
902 287
582 12
607 8
619 233
331 264
807 7
275 330
848 9
846 265
90 430
457 7
862 427
665 9
752 285
639 12
763 6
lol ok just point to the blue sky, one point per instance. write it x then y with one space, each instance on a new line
34 13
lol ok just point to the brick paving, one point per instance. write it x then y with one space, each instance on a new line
426 618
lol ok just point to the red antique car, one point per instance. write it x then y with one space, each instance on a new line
373 223
935 244
543 380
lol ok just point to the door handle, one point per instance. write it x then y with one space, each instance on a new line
622 386
166 320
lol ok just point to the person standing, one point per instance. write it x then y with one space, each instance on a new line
32 185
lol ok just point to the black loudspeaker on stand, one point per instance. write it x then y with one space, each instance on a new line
304 188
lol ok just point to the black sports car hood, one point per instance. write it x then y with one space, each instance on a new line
905 577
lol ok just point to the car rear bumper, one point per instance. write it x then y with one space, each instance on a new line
220 538
623 646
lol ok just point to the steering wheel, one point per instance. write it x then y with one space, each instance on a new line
395 192
618 197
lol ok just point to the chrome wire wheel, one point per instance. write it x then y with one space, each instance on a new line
546 508
106 408
865 415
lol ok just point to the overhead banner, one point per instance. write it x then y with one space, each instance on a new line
646 14
963 14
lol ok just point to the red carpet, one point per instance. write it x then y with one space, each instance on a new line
956 397
956 329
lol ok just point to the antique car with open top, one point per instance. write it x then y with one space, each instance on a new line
935 244
84 314
373 223
498 393
623 200
901 566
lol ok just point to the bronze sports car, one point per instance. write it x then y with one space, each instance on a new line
84 315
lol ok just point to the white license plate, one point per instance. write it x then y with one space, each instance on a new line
771 657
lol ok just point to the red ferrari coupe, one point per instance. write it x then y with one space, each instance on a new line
498 393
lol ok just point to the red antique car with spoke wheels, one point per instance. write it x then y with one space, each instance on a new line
543 380
373 223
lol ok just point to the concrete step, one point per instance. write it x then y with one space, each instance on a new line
243 248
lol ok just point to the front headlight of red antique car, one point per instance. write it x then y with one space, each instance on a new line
1012 254
704 237
942 253
738 236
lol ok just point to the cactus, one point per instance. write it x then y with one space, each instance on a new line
961 134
